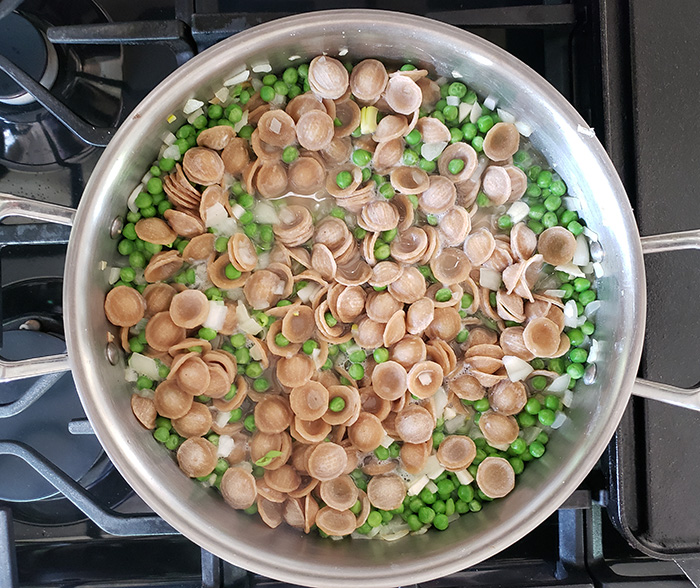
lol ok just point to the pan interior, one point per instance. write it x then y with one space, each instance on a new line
562 136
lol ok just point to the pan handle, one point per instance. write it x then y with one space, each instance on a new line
52 213
686 398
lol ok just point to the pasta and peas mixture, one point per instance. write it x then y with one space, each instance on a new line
353 299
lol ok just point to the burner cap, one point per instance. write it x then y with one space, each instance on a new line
43 425
27 47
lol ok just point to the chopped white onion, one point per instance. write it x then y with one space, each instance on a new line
500 446
598 269
441 81
568 398
222 94
113 275
265 213
417 485
131 201
431 151
453 100
432 486
455 423
238 78
386 441
581 255
571 269
593 351
195 115
263 67
256 353
554 293
559 384
464 109
172 152
191 105
592 235
308 292
518 211
245 322
169 138
343 52
215 214
130 374
570 314
225 227
217 315
489 278
475 113
559 420
257 84
226 445
396 535
439 398
433 468
221 417
517 369
146 366
241 123
238 210
523 128
591 308
449 413
490 102
571 203
505 116
464 477
530 434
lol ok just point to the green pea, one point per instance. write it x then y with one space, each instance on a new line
143 200
456 135
338 212
525 419
450 112
343 179
441 522
484 123
381 453
462 336
413 522
137 260
549 220
544 179
587 328
357 356
478 144
410 157
581 284
426 514
481 405
253 370
538 383
536 449
467 300
215 112
236 415
552 203
386 190
578 355
469 131
359 233
249 423
586 297
546 417
309 346
280 88
504 222
361 158
290 154
161 434
356 371
432 219
427 166
382 252
413 138
261 385
568 216
154 186
575 370
455 166
245 200
245 132
290 76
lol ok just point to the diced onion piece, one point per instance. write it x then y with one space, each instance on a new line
571 269
517 369
225 227
222 94
191 105
441 81
263 67
449 413
169 138
172 152
571 203
113 275
130 374
256 353
568 398
386 441
475 113
464 109
453 100
490 102
195 115
238 210
394 536
455 423
226 445
433 468
518 211
368 119
308 291
570 314
598 269
456 74
245 322
147 176
555 293
239 78
343 52
489 278
221 417
431 151
209 482
131 201
591 308
215 214
256 83
432 486
523 128
241 123
439 398
530 434
146 366
592 235
217 315
265 213
593 351
500 446
264 261
464 477
505 116
559 420
559 384
417 485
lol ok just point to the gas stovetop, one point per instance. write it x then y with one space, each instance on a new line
67 518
